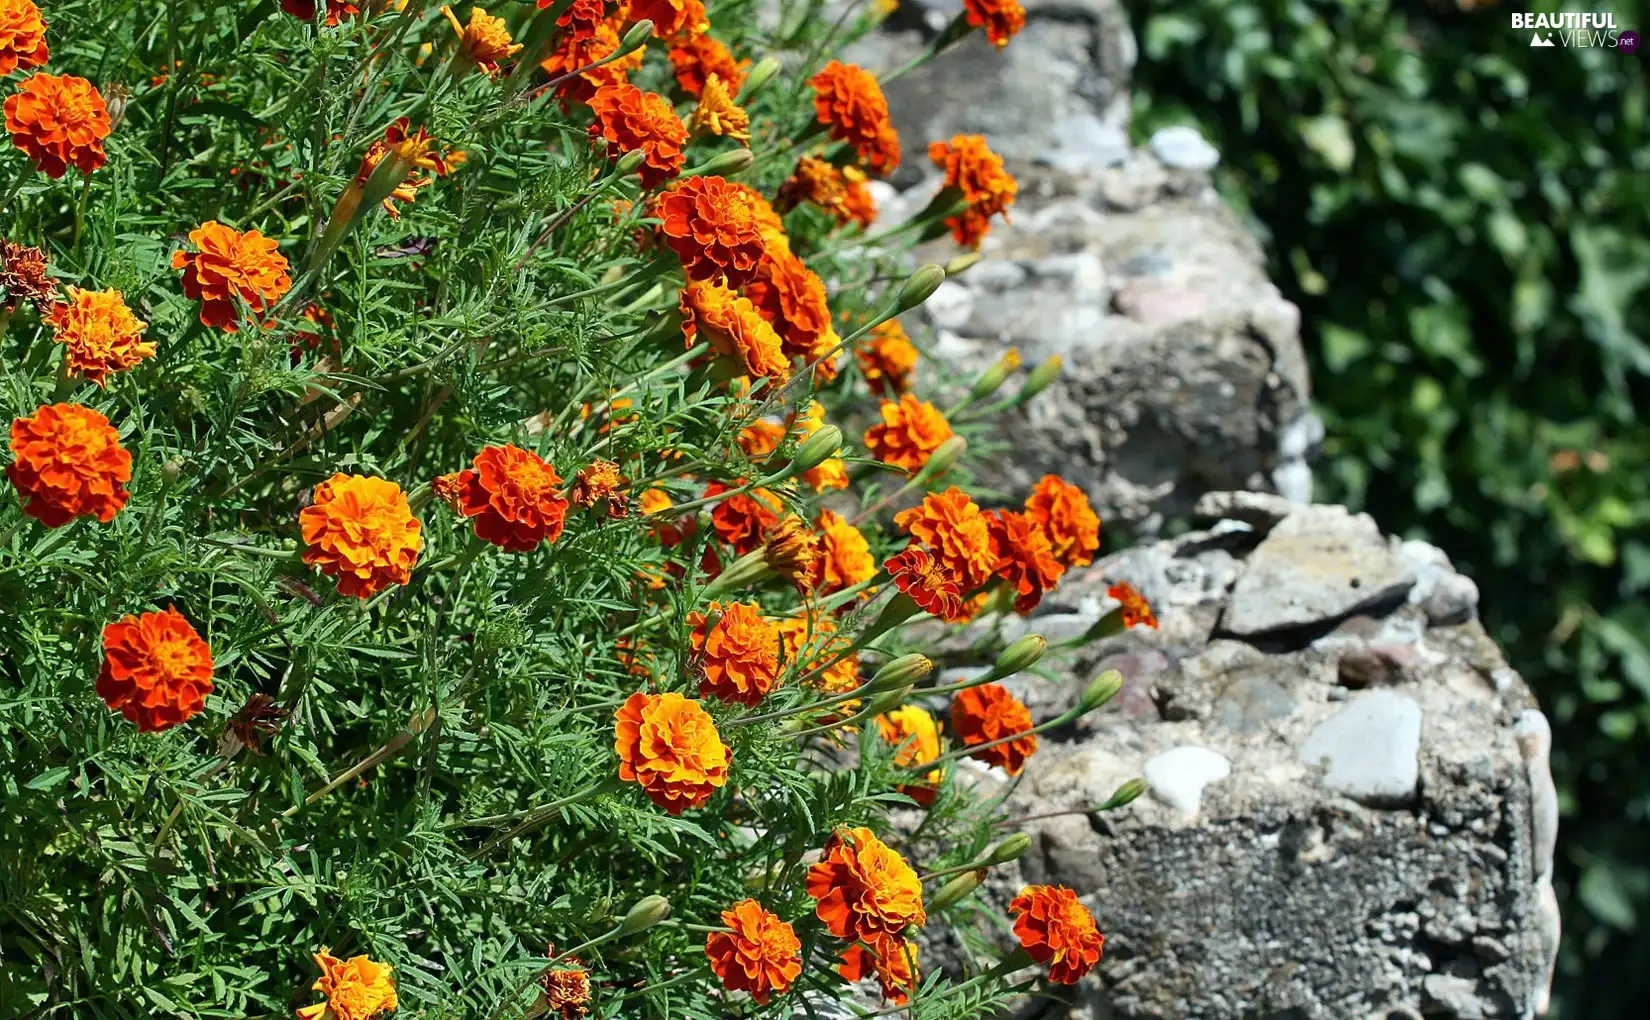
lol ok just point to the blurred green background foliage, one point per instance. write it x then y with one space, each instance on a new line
1462 220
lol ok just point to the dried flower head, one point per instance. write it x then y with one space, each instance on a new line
717 113
890 959
916 735
1057 930
845 557
910 430
599 481
760 954
1061 510
793 551
68 463
22 36
566 992
59 122
695 59
228 267
1023 558
848 100
712 226
23 277
361 531
356 989
980 715
1137 612
257 718
100 334
743 520
631 120
973 169
1001 19
863 889
735 329
927 581
951 526
514 496
156 671
485 41
669 746
887 358
738 654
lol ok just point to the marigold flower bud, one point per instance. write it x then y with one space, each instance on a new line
919 286
954 890
629 163
886 702
1040 379
759 76
940 461
993 378
725 164
1019 656
962 263
901 672
751 568
634 39
1107 626
1100 690
648 911
171 471
1125 794
816 450
1010 849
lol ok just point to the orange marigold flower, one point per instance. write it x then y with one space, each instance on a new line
793 551
581 16
156 671
951 526
574 53
1057 930
629 120
848 100
910 430
1001 19
792 297
1061 510
717 113
845 556
305 9
22 36
601 480
739 655
485 41
761 955
361 530
1137 612
58 122
566 991
913 731
695 59
760 439
887 358
100 333
515 497
670 532
927 581
68 463
892 960
671 18
227 264
712 227
356 989
863 889
840 191
735 328
743 521
23 277
1024 558
982 714
669 747
830 474
418 149
973 169
797 634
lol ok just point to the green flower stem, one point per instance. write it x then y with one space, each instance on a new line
596 191
959 869
540 817
415 725
658 268
963 752
252 550
535 44
953 34
682 978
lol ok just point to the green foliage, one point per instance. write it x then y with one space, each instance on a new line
1462 220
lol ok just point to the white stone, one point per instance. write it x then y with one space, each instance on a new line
1371 748
1183 148
1177 776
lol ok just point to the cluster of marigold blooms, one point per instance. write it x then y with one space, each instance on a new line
748 302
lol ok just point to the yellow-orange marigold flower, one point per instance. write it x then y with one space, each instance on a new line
891 960
576 53
1137 612
22 36
23 277
695 59
840 191
68 463
305 9
356 989
631 120
1001 19
418 149
600 480
797 634
515 497
793 551
156 671
671 18
670 531
734 327
845 556
1023 557
848 100
362 531
792 297
100 334
1061 510
761 438
485 41
831 473
712 227
669 747
973 169
760 955
1057 930
910 430
952 527
743 521
717 113
59 122
864 889
887 358
913 731
927 581
980 715
738 655
227 265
